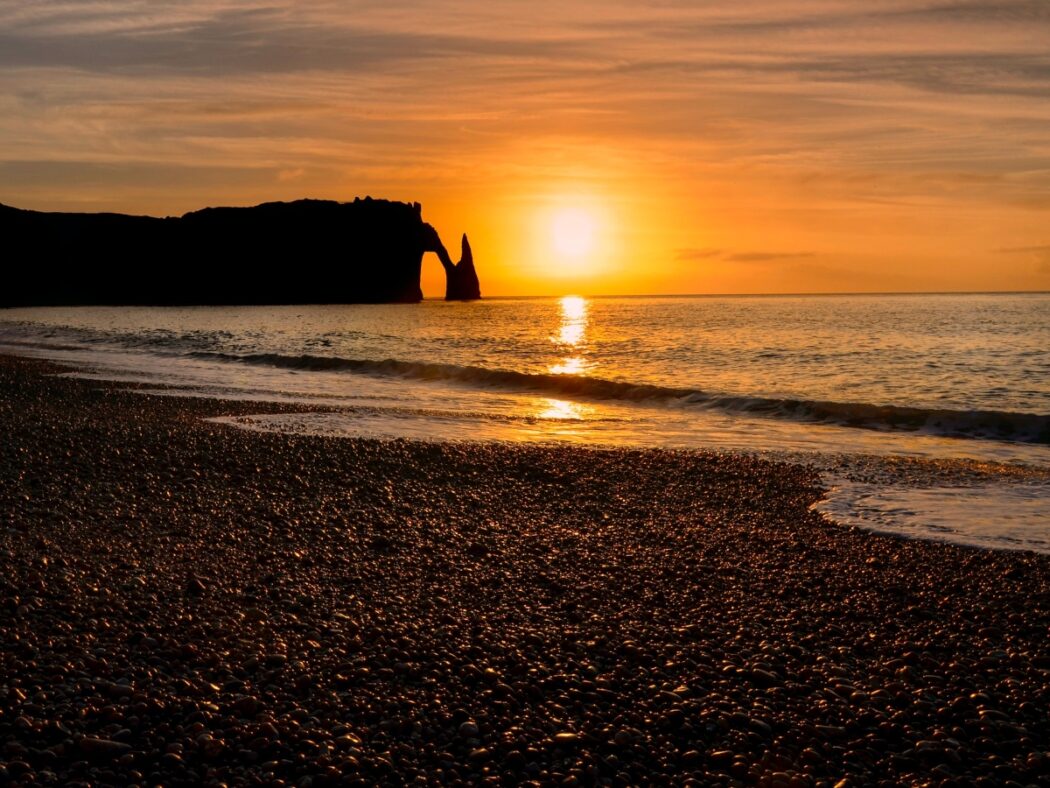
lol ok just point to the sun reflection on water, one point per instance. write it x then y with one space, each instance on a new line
572 336
561 410
573 320
569 366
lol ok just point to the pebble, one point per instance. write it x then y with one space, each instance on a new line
103 748
469 729
566 739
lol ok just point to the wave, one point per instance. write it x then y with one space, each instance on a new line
983 424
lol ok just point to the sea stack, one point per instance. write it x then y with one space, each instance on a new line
302 252
461 280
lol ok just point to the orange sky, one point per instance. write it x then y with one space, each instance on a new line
710 147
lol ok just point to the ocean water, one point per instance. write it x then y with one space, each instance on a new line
958 384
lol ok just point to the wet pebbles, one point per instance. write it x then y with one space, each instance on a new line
185 603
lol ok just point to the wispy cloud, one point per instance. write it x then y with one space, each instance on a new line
697 254
1041 249
831 78
766 257
739 257
260 40
1040 254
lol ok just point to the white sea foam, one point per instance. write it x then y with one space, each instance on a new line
1003 515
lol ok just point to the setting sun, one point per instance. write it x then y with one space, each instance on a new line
573 232
572 238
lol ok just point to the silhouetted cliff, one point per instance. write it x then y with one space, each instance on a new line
303 252
461 280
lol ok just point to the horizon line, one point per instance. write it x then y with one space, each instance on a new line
760 295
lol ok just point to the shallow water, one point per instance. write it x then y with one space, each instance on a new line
960 377
998 515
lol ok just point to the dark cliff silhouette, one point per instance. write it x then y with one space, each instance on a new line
302 252
461 280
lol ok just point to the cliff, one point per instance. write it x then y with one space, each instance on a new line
302 252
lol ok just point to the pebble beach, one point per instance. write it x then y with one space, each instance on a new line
189 603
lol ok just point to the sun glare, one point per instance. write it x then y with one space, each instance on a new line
571 239
573 232
561 410
572 335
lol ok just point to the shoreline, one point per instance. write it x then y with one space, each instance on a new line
187 602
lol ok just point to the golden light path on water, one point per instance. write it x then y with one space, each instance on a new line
562 410
572 337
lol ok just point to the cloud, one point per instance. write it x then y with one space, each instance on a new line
997 73
739 257
765 257
981 11
1041 249
259 40
1040 253
697 254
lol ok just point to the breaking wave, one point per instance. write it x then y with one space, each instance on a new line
982 424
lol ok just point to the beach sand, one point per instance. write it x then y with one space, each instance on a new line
183 602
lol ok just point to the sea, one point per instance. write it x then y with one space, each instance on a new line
928 415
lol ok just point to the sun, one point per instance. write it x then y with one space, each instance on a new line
573 232
572 238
